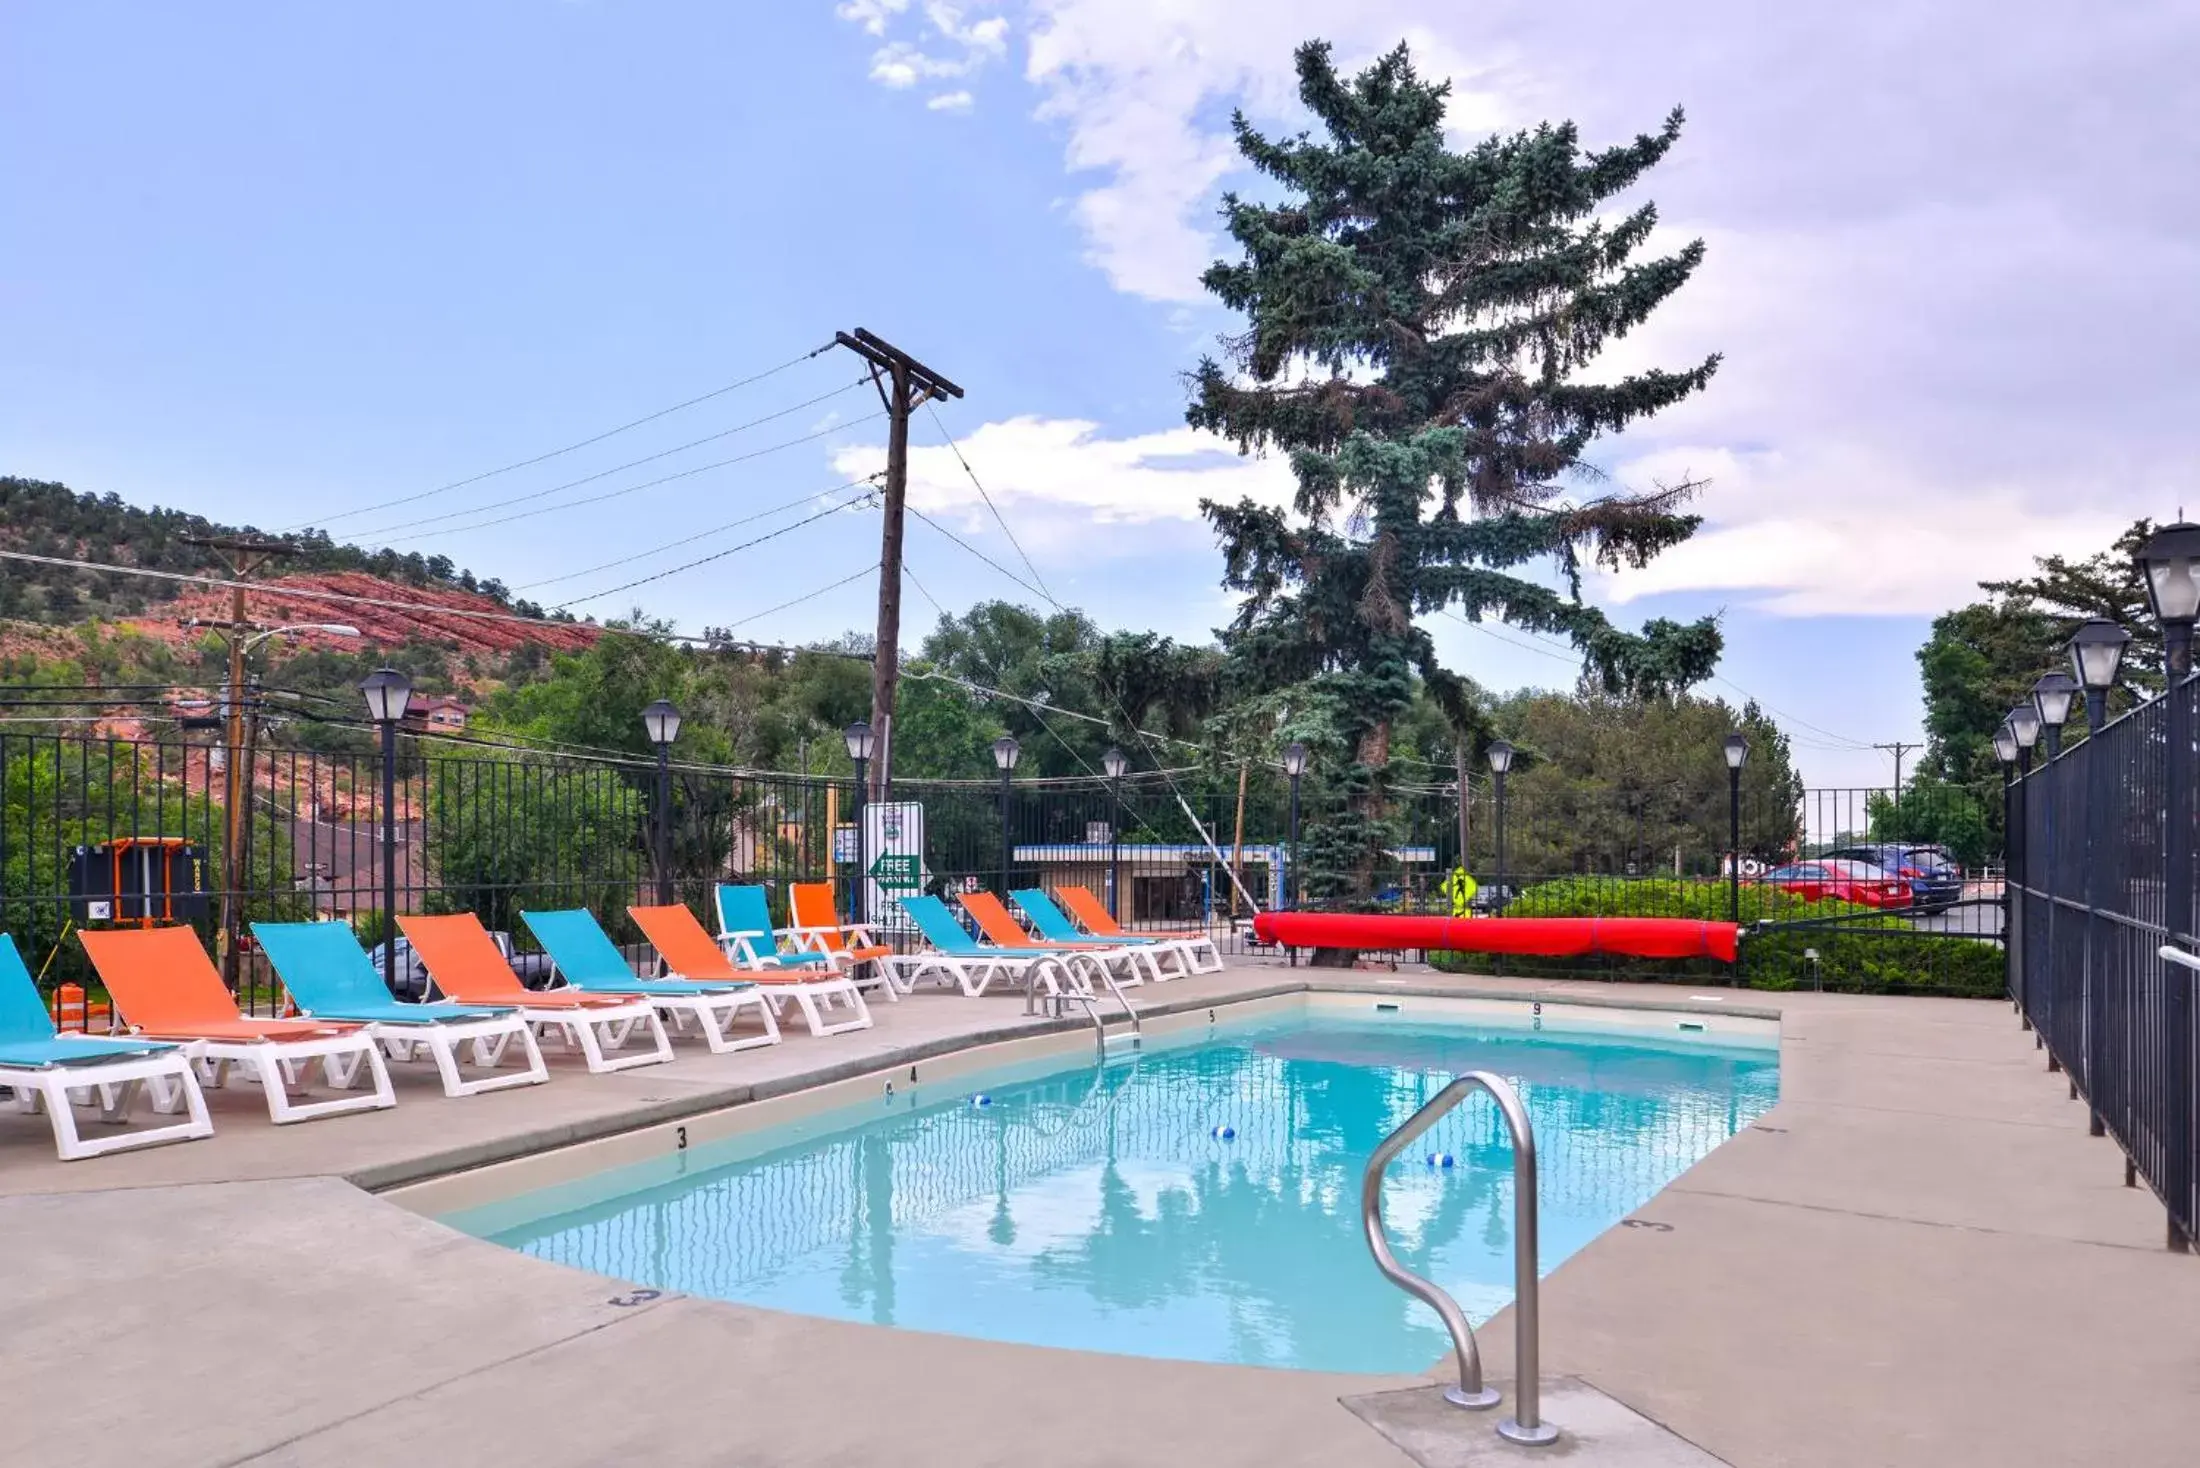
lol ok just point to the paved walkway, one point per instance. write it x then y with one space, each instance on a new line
1918 1257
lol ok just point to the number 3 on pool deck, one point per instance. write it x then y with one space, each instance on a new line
681 1145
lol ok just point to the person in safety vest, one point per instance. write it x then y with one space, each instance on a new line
1459 887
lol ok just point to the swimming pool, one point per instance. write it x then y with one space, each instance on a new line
1199 1202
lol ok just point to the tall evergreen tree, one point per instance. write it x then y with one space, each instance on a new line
1417 318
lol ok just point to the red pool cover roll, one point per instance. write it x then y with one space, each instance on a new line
1567 937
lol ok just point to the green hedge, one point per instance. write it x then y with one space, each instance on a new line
1885 957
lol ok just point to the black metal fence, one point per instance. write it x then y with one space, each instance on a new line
497 831
2101 881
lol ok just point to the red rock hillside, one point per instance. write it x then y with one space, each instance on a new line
381 626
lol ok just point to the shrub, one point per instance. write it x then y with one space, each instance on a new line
1883 956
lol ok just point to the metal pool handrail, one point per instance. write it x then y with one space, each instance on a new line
1526 1425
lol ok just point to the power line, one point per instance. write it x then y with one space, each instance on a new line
806 596
518 499
584 443
981 555
719 555
998 519
642 555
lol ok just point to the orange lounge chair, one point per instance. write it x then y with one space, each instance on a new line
166 988
999 926
690 952
464 962
847 946
1198 947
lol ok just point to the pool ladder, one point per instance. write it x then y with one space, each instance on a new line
1062 999
1526 1425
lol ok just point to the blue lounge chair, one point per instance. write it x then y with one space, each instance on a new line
745 931
976 965
329 977
1054 926
587 960
51 1070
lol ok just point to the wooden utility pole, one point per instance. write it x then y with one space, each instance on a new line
244 557
1898 749
1466 796
904 384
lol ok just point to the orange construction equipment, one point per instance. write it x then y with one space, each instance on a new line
690 952
1086 906
465 963
166 988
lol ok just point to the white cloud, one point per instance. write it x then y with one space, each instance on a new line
950 46
871 15
1065 486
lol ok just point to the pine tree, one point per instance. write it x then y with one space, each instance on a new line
1416 319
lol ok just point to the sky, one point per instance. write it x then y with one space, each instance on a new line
288 265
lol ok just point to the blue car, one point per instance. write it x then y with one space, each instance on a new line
1936 883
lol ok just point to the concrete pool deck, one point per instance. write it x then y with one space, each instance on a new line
1918 1257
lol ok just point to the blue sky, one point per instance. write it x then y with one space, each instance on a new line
279 263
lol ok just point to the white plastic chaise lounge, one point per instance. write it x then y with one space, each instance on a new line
466 966
690 953
588 961
50 1071
166 988
975 965
329 977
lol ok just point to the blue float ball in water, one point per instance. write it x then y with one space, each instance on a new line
1224 1133
1441 1159
981 1099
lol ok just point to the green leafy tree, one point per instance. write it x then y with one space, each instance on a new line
1417 320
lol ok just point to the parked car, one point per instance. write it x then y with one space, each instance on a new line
1838 879
1936 882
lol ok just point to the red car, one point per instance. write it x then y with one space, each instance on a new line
1837 880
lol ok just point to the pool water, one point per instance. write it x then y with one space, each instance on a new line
1097 1208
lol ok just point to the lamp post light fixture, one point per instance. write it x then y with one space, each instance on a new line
2024 723
862 743
2170 561
661 721
1006 751
2096 657
1736 750
1117 764
388 691
1294 767
2052 698
1500 755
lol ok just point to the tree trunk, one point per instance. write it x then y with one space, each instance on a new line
1372 803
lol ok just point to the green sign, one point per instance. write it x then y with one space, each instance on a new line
896 873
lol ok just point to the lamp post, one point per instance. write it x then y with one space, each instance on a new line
1117 765
2096 657
2005 750
1294 766
387 692
1501 762
1736 749
2170 561
2052 697
662 721
2024 725
1006 751
861 742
